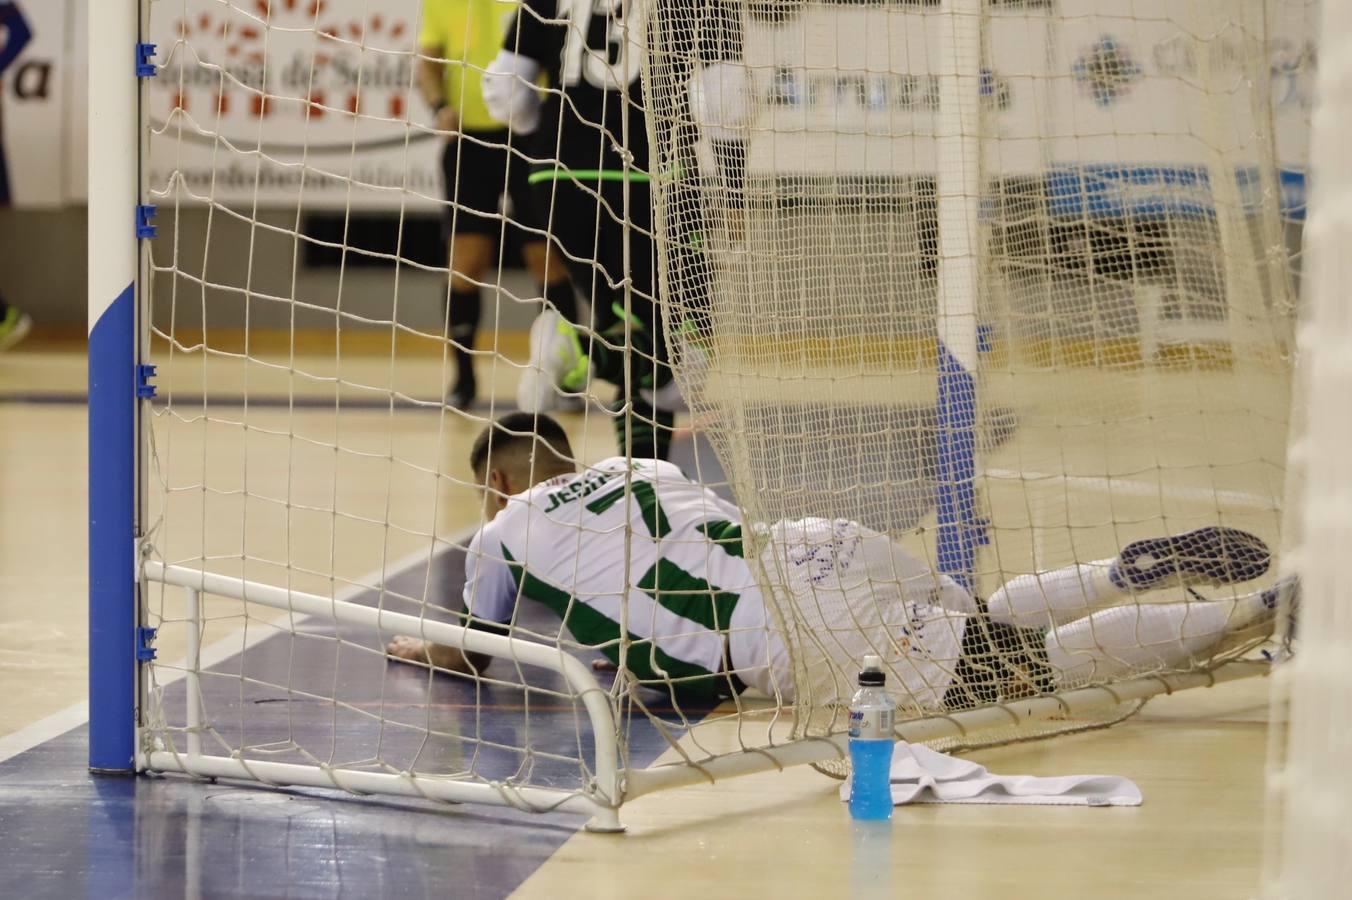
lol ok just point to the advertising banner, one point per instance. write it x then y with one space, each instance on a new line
310 103
292 103
32 93
1082 91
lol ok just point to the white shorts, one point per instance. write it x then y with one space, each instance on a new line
842 591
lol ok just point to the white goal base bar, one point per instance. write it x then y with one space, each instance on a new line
611 785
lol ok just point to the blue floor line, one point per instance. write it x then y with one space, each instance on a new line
66 833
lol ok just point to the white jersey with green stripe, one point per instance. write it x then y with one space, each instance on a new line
565 543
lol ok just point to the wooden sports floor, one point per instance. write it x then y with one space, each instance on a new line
1198 756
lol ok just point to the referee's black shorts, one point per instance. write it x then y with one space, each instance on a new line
479 169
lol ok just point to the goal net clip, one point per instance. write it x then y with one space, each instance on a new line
145 55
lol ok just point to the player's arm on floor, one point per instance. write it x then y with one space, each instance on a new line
490 599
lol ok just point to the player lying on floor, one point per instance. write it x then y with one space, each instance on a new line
698 624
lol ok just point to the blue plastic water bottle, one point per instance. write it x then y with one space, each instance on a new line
871 740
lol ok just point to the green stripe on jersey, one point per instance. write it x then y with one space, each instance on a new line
727 535
689 596
653 516
645 659
603 503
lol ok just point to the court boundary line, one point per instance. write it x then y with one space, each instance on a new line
1132 486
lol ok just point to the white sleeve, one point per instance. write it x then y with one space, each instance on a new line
510 93
490 590
721 100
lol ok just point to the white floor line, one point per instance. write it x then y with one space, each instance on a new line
43 730
237 642
1138 488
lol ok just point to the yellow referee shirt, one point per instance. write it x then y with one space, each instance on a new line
468 34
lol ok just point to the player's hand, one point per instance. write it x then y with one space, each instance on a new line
438 656
448 121
409 648
604 665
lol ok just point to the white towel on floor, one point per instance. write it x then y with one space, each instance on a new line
921 775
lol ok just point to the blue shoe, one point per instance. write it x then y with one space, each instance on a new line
1212 556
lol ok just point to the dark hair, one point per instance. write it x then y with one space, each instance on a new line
517 429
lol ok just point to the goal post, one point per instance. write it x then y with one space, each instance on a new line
115 320
1309 790
957 141
1001 282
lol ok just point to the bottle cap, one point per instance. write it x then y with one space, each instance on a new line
872 674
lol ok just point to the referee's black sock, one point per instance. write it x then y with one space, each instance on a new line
463 325
562 297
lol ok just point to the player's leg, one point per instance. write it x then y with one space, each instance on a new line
630 348
1142 638
1207 556
551 277
611 262
14 322
475 170
544 262
470 256
14 325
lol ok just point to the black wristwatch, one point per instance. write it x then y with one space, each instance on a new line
438 107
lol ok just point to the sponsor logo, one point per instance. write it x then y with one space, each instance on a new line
1290 63
309 62
896 92
1106 70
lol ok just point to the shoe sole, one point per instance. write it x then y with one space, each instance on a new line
1212 556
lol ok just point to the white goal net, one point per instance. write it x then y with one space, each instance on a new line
1310 792
978 293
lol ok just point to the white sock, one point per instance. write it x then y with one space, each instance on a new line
1133 640
1047 599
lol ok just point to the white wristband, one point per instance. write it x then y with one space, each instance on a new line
510 93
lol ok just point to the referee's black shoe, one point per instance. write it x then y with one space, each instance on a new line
464 392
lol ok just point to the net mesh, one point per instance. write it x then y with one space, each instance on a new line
750 196
1132 316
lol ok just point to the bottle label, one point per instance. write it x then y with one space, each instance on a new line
872 724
